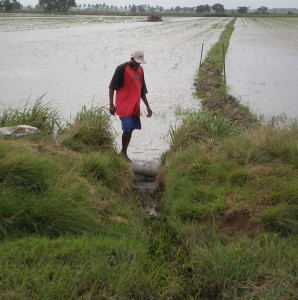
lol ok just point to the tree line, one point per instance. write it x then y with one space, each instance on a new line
61 6
8 5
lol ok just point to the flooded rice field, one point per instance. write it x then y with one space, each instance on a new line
262 65
72 60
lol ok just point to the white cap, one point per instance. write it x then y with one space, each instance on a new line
138 56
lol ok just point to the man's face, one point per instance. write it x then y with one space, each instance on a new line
134 63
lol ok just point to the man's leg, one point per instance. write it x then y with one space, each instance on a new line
126 137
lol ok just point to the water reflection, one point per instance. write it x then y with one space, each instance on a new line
262 65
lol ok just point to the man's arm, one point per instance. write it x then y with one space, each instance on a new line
112 106
149 114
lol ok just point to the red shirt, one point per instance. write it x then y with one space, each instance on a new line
129 90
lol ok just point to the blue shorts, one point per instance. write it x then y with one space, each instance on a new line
130 123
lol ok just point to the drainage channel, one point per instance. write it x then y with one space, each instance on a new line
146 184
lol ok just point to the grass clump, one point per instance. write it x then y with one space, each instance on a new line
198 126
110 169
90 131
282 218
43 193
34 200
264 145
27 172
39 115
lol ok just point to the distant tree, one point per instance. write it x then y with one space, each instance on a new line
133 8
262 9
218 8
9 5
177 9
57 5
141 8
207 8
242 9
200 9
203 8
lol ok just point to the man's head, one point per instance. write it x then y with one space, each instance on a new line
138 56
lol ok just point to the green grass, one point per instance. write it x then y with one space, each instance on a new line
40 115
230 193
91 130
47 189
72 268
197 126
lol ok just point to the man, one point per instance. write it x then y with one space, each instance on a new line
129 83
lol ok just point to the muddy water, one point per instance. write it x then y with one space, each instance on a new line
262 65
73 60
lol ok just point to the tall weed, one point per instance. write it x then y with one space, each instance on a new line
28 172
39 115
37 197
109 169
264 145
91 130
200 126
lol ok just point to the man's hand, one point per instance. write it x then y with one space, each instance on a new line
112 109
149 112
